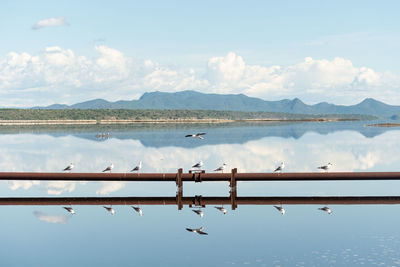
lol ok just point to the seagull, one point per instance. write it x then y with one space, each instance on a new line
325 167
137 168
198 230
198 164
69 167
110 210
70 210
221 209
328 210
280 167
109 168
222 168
138 210
198 135
199 212
281 210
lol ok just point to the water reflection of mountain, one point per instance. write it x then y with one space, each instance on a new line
168 134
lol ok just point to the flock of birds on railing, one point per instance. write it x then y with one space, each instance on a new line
197 166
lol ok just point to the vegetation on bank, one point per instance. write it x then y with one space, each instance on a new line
145 115
385 125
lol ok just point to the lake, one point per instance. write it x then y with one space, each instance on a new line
353 235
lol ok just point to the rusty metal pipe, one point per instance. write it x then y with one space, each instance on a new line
313 200
206 177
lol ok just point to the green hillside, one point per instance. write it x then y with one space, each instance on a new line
142 114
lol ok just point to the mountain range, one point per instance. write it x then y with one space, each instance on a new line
238 102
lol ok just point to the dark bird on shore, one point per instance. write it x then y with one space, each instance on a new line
69 167
325 167
198 230
109 168
326 209
70 210
198 135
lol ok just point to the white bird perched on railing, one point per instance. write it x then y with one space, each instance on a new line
328 210
198 165
221 209
110 210
198 135
138 210
109 168
198 230
280 209
70 210
137 167
69 167
199 212
221 169
325 167
280 167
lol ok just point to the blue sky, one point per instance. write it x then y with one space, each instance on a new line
338 51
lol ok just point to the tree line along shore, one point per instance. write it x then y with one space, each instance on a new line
123 116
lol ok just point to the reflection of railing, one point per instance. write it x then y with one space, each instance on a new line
203 201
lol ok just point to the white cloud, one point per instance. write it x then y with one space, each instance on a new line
319 79
58 187
14 185
51 22
61 219
110 187
58 75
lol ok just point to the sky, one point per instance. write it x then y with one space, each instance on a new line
72 51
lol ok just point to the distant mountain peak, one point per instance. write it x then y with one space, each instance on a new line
190 100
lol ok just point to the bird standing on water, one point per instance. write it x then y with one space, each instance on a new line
69 167
138 210
137 168
325 167
280 209
328 210
198 230
198 135
221 169
109 168
280 167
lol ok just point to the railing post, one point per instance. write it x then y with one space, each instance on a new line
233 179
179 189
233 187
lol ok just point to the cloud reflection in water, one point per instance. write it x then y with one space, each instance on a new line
347 150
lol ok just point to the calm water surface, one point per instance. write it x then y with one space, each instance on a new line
250 235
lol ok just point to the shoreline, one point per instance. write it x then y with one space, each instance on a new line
110 122
384 125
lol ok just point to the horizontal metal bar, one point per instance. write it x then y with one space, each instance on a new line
206 177
296 200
